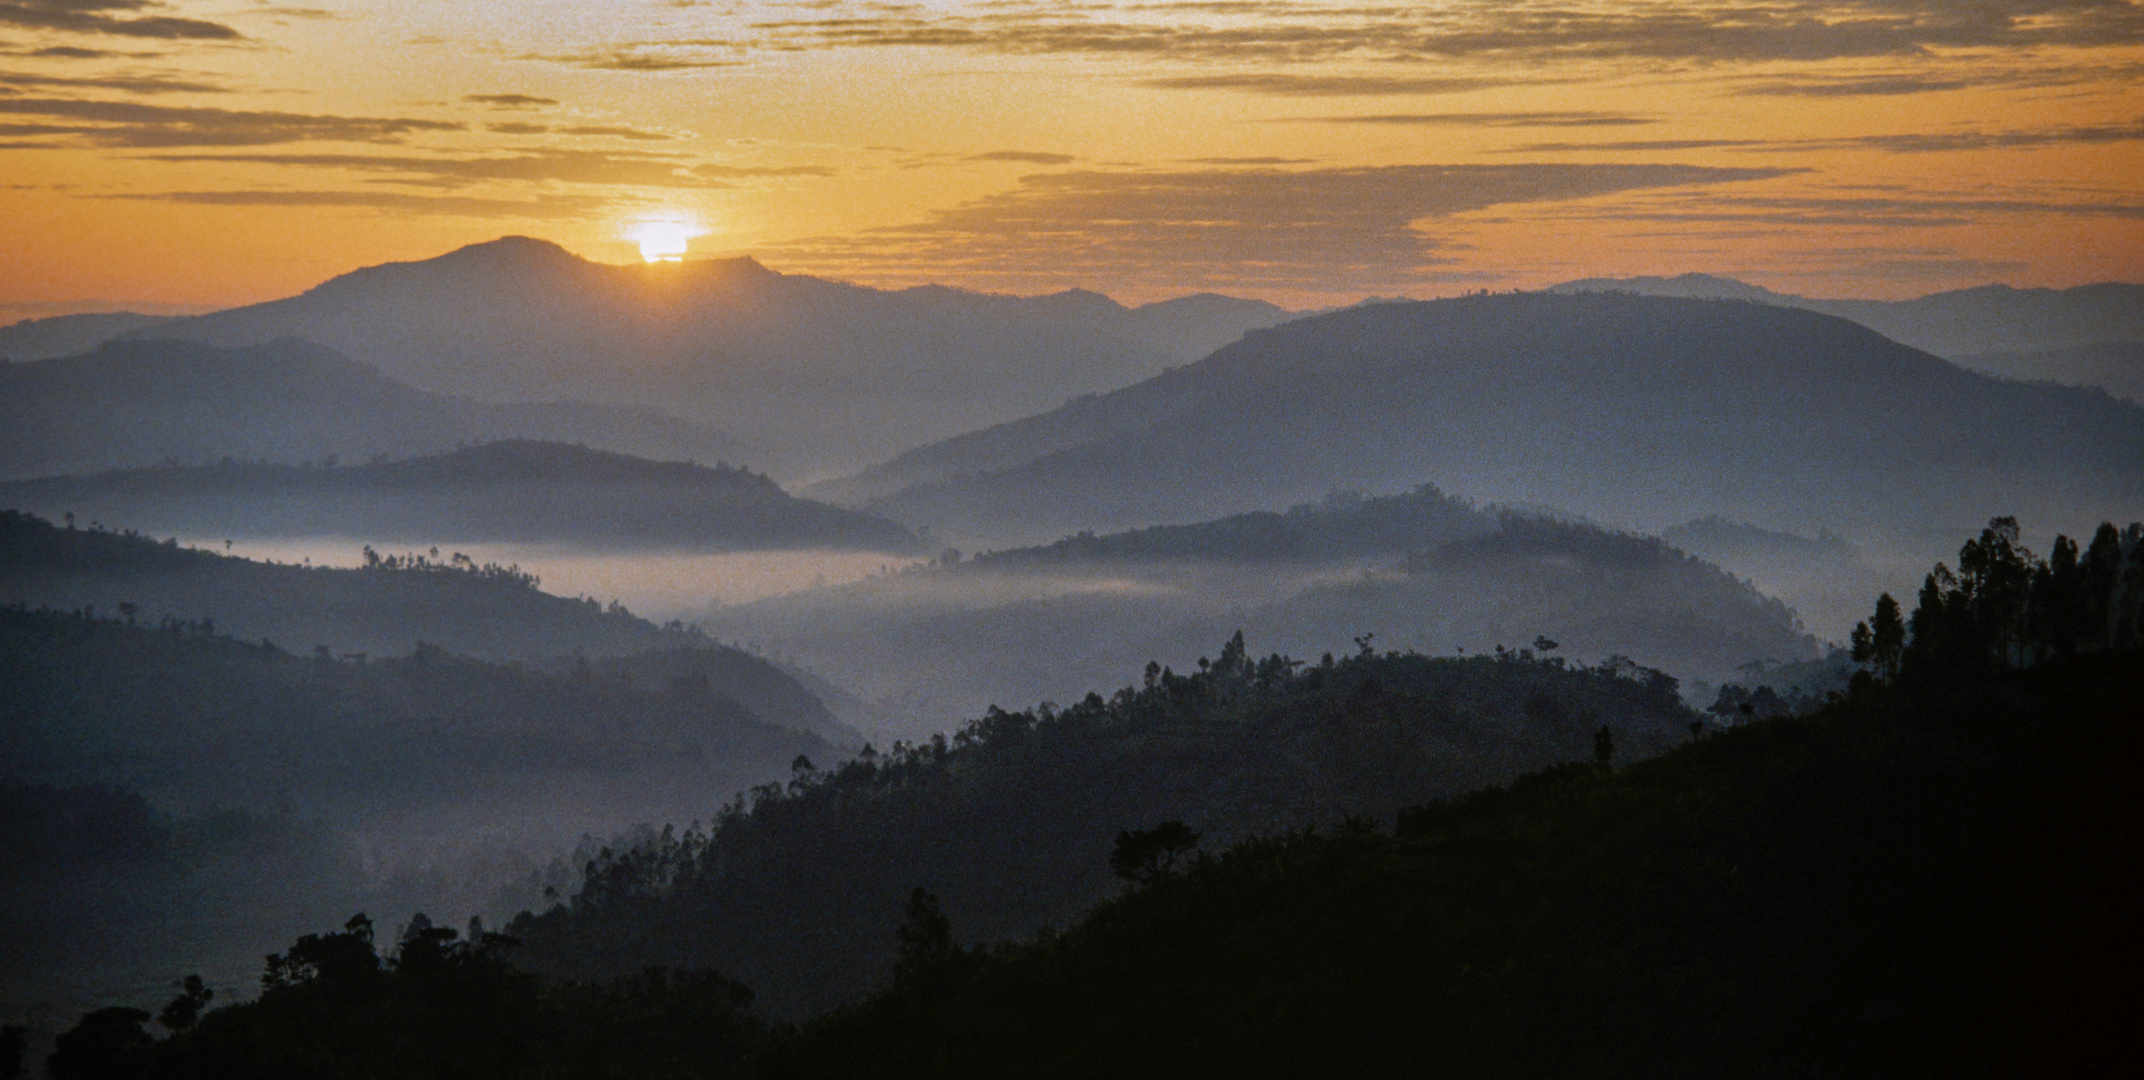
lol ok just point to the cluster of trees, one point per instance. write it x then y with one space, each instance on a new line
792 884
2005 607
457 563
436 1006
1902 882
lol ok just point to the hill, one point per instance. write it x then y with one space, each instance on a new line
1421 571
1011 818
388 782
2114 366
68 335
1640 410
1957 324
816 376
391 607
514 490
131 404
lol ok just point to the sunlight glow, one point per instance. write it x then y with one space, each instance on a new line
664 240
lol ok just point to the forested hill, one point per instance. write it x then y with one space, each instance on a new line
1010 820
1925 876
512 490
1340 527
129 404
1637 409
387 608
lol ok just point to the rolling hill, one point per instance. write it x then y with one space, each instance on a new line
1638 410
816 376
136 403
513 490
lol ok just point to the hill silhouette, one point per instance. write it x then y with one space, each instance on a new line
389 608
1422 571
1642 410
1958 324
2114 366
511 490
136 403
816 376
68 335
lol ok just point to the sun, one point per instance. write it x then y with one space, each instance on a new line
663 240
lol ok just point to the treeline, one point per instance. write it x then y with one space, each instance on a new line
1010 819
2006 608
1919 879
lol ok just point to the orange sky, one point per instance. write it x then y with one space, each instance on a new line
204 154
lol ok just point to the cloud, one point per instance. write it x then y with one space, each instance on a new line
133 124
747 171
1870 86
508 101
134 84
1906 143
1028 156
1721 30
1500 120
1331 230
683 55
562 166
1911 211
97 17
606 131
542 206
1280 84
1937 269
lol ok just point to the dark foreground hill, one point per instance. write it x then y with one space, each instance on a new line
510 491
302 781
1925 877
130 404
1632 409
815 375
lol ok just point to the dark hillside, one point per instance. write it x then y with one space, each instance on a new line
511 491
131 404
1635 409
389 608
1011 819
1897 886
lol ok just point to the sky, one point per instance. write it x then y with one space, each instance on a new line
196 154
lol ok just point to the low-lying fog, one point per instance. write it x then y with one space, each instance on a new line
659 585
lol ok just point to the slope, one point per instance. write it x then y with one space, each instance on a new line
815 375
130 404
515 490
1630 409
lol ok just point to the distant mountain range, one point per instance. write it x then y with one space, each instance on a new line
1640 410
508 491
1992 328
134 403
819 377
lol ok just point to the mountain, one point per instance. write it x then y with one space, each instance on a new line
1421 571
68 335
2114 366
514 490
1954 324
134 403
818 377
1641 410
392 607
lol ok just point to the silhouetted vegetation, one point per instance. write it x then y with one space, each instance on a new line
1010 820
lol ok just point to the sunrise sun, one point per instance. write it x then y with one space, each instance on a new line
663 240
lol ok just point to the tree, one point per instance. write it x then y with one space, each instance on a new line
1881 642
108 1044
926 935
1145 856
1603 747
185 1009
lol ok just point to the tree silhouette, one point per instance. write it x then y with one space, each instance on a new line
1148 855
926 935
